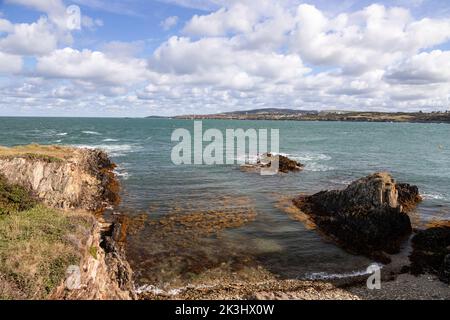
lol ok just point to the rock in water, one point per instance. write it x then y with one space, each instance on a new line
288 165
367 217
408 196
431 252
285 165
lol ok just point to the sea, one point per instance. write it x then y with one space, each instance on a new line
193 225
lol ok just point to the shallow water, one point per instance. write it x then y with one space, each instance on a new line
214 222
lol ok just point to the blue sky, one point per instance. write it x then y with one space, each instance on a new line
168 57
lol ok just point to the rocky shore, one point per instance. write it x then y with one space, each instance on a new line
73 186
370 217
61 192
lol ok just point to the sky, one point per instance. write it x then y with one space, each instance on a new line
137 58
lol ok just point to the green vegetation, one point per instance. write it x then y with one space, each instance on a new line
93 250
14 198
37 244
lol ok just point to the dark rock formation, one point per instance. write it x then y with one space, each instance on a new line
366 218
408 196
285 165
288 165
431 252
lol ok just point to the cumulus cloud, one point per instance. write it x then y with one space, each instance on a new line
90 65
241 55
10 63
365 40
424 68
30 39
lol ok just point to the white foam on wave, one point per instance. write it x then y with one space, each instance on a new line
91 132
62 134
433 196
331 276
121 172
110 140
310 157
317 167
148 288
114 150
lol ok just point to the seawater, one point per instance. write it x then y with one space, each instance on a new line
197 224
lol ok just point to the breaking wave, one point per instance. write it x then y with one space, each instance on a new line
91 132
114 150
331 276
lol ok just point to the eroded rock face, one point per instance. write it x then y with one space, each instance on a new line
82 181
431 252
104 271
366 218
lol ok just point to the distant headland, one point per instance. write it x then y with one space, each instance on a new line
314 115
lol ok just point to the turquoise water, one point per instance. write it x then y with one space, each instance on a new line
334 153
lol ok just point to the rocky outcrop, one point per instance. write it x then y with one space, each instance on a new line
431 252
368 217
83 179
285 165
104 273
408 196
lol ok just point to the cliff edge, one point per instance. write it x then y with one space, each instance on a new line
52 245
62 177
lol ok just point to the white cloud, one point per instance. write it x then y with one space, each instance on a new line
243 55
237 19
169 22
5 25
91 66
10 63
30 39
424 68
365 40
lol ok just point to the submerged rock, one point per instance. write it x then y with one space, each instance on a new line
431 252
368 217
285 165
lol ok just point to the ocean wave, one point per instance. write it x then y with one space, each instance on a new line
433 196
310 157
331 276
62 134
91 132
344 182
110 140
121 172
317 167
114 150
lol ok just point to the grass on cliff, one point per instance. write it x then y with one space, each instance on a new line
37 244
47 153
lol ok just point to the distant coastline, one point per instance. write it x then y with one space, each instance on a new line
309 115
